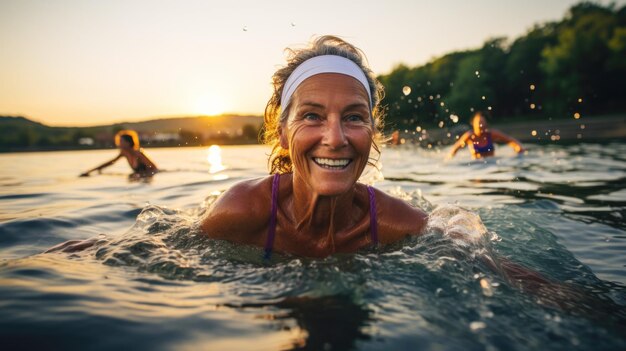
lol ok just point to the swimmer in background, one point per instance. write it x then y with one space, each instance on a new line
128 143
481 139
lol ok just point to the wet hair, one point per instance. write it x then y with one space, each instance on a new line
480 113
130 136
276 115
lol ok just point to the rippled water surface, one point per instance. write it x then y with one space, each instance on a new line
152 281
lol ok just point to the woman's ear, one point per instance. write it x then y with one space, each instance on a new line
284 141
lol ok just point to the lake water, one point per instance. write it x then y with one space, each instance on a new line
154 283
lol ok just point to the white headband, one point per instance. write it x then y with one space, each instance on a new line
319 65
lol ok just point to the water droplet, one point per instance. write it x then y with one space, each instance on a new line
440 124
418 129
533 133
532 106
483 97
489 108
580 99
293 24
477 325
406 90
442 104
454 118
476 73
486 287
582 126
576 115
245 28
532 87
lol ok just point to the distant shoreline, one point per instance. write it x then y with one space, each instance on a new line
586 128
86 148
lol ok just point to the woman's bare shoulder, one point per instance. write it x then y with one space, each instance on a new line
397 218
241 210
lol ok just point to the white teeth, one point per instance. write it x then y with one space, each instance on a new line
331 162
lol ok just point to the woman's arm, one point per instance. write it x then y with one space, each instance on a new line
397 218
465 228
104 165
500 137
240 213
459 144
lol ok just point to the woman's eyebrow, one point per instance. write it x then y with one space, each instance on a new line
351 106
356 105
311 104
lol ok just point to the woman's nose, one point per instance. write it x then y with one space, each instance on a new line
334 135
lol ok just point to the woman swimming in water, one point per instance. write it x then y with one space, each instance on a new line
481 139
322 122
128 143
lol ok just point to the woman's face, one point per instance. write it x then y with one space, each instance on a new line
329 132
479 124
124 144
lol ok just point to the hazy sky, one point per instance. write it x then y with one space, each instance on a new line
84 62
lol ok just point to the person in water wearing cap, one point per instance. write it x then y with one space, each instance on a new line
128 143
481 139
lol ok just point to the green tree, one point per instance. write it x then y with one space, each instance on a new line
250 132
522 71
575 67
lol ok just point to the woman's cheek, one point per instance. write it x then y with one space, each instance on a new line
298 146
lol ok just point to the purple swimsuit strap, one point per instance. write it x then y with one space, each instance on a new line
373 219
271 233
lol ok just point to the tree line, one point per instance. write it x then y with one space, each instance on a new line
19 133
564 69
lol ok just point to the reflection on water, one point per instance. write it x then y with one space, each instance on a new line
214 157
154 281
324 323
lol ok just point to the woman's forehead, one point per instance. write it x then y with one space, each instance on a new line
337 85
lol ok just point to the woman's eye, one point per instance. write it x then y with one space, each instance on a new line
311 117
354 118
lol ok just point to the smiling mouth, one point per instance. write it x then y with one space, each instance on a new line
330 163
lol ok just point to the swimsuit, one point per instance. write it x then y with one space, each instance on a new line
271 232
485 149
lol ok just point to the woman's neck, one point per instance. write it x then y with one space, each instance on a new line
315 213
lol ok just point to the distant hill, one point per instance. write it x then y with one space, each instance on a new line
19 133
207 126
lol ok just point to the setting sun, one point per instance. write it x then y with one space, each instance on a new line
208 105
